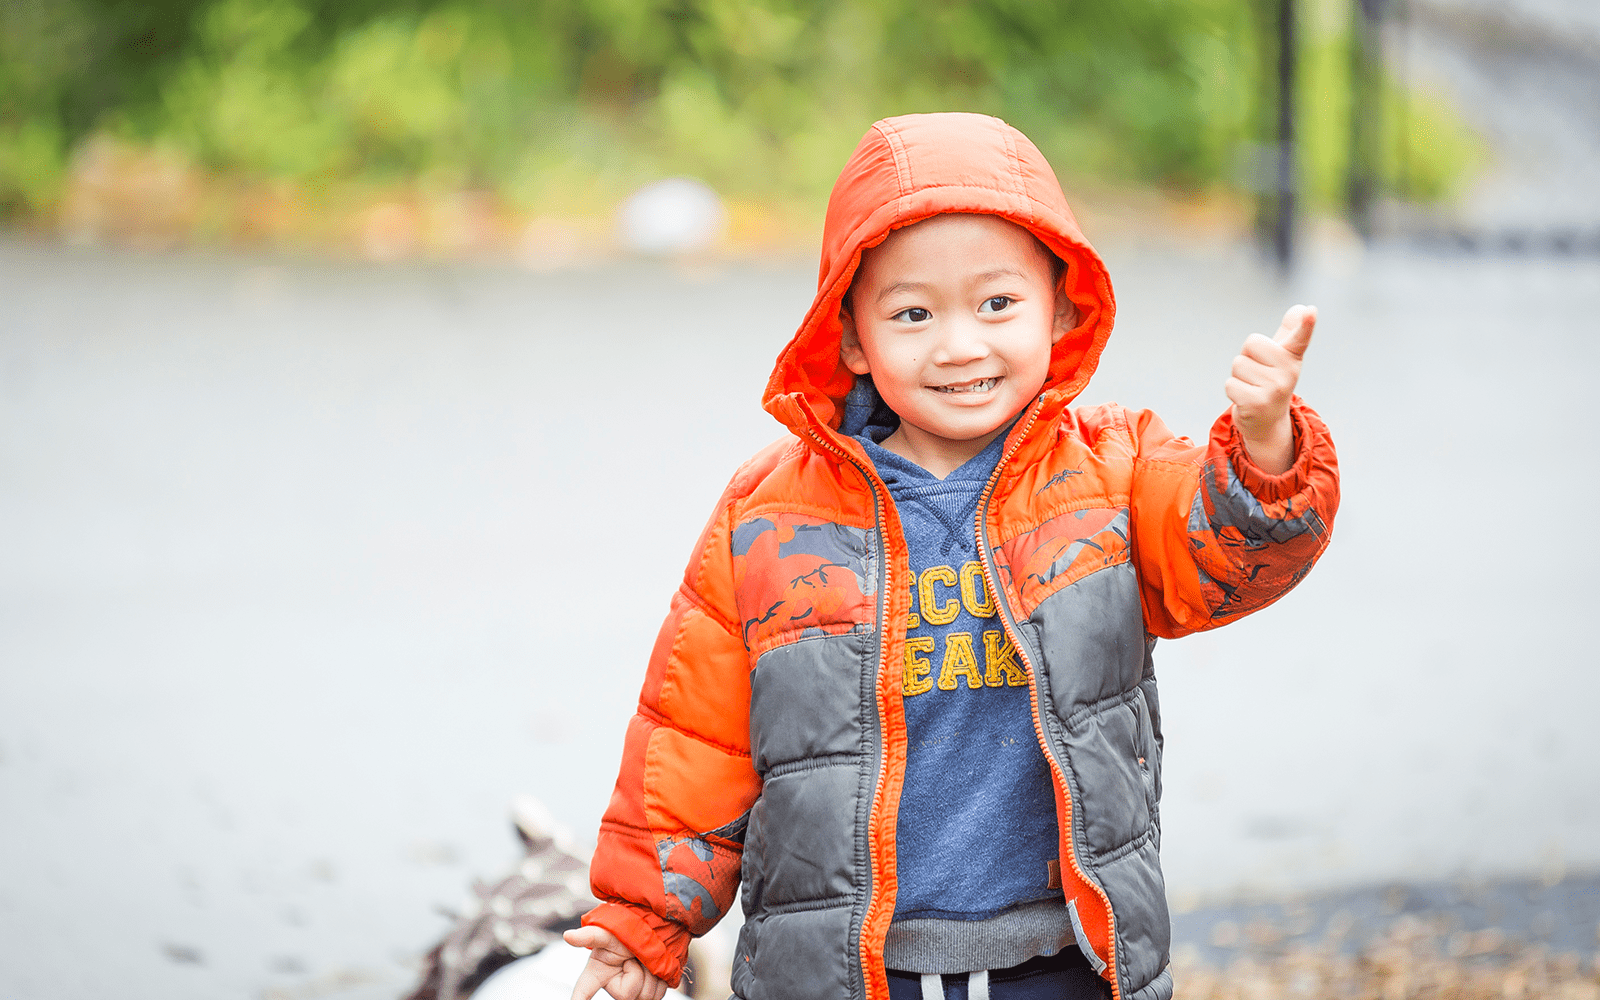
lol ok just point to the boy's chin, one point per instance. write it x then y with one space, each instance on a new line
968 422
963 434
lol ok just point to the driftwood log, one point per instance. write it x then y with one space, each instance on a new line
514 917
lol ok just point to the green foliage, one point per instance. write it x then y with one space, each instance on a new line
551 103
42 46
1427 151
1431 151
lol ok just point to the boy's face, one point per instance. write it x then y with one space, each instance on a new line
954 318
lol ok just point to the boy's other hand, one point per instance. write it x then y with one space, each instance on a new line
611 967
1264 376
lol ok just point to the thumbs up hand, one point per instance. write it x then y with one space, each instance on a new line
1264 376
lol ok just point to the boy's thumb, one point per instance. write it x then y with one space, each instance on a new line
1294 333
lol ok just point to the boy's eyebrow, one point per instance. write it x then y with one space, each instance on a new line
901 286
1001 272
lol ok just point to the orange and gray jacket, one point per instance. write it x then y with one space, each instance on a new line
769 746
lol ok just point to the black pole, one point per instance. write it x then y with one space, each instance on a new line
1361 186
1283 222
1402 111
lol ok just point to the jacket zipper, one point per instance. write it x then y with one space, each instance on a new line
986 560
883 647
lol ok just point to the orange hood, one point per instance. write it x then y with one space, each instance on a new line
905 170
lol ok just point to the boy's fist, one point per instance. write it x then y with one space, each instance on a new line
611 967
1264 376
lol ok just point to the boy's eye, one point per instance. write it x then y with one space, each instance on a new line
916 314
998 303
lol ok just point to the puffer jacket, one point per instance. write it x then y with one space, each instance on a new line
769 746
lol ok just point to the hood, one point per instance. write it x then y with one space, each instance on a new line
905 170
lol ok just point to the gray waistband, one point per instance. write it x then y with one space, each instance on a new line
926 945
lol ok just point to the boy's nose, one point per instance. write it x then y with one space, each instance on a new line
961 343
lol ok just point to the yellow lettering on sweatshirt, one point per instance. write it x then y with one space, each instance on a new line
916 680
1000 662
973 593
933 612
959 660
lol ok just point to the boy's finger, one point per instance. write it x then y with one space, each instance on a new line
1267 351
602 944
654 988
629 983
586 937
1251 397
1294 333
589 982
1252 372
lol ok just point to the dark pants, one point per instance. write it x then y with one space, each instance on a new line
1064 976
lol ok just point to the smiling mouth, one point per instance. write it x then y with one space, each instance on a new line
976 385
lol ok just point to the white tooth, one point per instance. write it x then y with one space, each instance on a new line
982 385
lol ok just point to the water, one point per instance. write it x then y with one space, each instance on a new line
308 568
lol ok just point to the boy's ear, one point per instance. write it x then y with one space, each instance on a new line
1066 318
850 351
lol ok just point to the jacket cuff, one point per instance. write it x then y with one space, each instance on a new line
660 945
1263 485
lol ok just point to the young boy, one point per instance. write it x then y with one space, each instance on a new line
905 690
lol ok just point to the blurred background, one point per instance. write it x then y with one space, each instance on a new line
337 339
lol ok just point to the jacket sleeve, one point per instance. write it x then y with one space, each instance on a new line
1215 537
666 862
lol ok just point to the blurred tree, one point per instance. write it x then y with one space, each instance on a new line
548 103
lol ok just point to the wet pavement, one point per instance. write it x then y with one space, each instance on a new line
309 568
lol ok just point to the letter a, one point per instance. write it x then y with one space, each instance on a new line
958 659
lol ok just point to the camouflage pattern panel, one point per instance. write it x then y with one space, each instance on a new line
1249 553
698 875
1060 552
797 575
